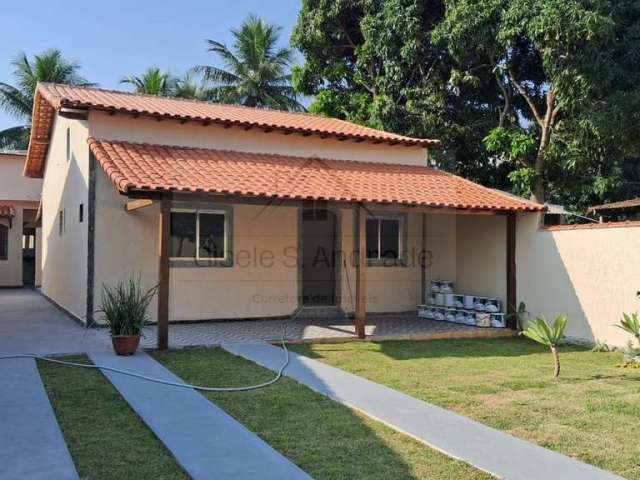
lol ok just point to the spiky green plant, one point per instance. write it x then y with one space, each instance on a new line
125 306
630 323
539 331
521 315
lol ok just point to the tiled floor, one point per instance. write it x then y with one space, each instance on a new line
311 329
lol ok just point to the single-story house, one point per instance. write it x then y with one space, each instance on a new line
239 212
19 198
625 210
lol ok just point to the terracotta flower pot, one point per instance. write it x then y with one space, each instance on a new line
125 344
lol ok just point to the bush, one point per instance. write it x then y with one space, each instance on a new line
125 306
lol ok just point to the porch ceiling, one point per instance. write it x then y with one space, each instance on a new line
136 167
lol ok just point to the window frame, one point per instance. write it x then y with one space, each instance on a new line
7 229
403 221
197 260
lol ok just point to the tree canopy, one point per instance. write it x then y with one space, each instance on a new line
17 99
527 95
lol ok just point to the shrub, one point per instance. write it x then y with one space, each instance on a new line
630 323
125 306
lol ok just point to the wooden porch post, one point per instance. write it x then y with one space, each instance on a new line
361 278
163 272
511 270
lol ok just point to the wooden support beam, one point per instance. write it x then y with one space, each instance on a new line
163 272
511 270
423 261
138 204
361 277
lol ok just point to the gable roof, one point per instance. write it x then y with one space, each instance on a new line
136 167
52 97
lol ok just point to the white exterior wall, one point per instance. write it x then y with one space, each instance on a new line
64 257
190 134
590 274
13 186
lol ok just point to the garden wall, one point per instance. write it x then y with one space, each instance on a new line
590 272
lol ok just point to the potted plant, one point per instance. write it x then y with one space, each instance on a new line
125 309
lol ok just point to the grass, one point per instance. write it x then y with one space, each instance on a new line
327 440
590 413
106 438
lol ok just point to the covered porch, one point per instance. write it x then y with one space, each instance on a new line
383 231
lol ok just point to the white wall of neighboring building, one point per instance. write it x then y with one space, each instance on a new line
65 188
191 134
13 186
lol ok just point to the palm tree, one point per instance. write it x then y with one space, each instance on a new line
188 87
540 331
152 82
17 100
256 73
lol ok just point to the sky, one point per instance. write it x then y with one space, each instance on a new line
115 38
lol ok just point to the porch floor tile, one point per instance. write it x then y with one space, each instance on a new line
488 449
379 327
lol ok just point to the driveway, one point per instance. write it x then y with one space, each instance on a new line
31 324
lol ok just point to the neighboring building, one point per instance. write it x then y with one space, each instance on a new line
19 198
246 213
617 211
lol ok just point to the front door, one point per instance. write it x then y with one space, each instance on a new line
318 236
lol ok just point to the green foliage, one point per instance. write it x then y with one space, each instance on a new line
631 354
255 72
152 82
630 323
17 99
125 306
602 347
521 315
539 331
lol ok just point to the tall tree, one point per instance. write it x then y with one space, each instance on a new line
256 69
17 100
152 82
550 60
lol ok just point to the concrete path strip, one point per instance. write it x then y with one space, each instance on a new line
206 441
487 449
31 444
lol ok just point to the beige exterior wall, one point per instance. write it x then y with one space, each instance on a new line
590 274
169 132
11 268
13 186
481 259
65 187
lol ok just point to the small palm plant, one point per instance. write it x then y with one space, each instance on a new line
630 323
539 331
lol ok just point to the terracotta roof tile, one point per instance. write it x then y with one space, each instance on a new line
7 211
51 97
135 167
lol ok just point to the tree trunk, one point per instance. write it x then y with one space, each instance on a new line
556 362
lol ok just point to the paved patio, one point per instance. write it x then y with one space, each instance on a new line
379 327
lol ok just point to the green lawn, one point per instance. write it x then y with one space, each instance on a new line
592 412
327 440
106 438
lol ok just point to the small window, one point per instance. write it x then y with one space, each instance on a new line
61 222
384 238
4 242
81 213
28 241
68 144
198 234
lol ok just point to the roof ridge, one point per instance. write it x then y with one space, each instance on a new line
271 154
219 104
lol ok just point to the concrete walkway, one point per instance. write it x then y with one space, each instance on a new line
31 444
205 441
485 448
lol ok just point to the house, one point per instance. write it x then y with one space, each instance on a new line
617 211
19 199
239 212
